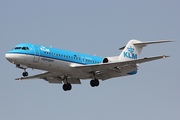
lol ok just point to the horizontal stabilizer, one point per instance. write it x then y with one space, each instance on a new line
151 42
122 48
142 44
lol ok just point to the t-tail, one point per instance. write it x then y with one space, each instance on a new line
133 49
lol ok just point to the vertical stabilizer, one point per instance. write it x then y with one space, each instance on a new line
130 52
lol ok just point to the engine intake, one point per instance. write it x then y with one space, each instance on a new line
110 59
105 60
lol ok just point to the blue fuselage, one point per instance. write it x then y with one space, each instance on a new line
49 54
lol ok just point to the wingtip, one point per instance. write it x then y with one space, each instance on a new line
170 40
18 79
165 56
122 48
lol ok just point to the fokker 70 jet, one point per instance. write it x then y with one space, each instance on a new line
67 67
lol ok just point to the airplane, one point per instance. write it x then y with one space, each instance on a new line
66 67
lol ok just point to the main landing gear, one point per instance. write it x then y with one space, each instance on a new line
94 82
25 74
67 86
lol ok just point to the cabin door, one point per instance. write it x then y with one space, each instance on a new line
36 54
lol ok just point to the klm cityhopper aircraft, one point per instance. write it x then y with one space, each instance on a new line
69 67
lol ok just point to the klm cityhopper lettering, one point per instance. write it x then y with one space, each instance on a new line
130 54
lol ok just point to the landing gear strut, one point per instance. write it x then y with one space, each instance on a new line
94 82
67 86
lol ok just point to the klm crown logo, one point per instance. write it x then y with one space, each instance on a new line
130 53
130 49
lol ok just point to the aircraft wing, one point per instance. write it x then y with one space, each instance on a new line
104 66
52 77
106 71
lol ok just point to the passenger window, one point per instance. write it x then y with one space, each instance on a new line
45 52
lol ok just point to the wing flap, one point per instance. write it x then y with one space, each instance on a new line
73 81
40 76
51 77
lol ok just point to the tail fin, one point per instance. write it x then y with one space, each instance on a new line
130 51
133 49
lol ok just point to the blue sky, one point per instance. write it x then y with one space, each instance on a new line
92 27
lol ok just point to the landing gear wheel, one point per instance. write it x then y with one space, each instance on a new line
94 83
67 87
25 74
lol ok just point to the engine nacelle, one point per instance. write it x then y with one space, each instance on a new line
110 59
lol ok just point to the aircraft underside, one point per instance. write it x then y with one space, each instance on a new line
61 72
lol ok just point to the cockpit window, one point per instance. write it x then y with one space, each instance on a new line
23 48
16 48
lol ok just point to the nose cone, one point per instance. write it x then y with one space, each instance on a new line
10 57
